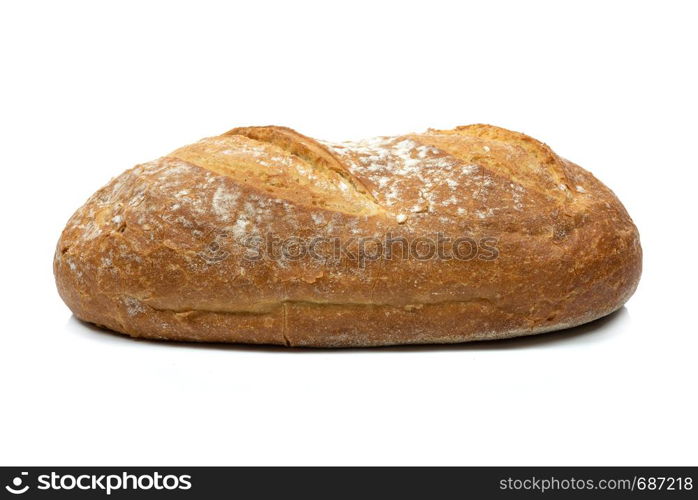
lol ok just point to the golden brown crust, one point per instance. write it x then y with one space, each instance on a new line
171 249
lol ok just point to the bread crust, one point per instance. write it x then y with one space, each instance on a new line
181 248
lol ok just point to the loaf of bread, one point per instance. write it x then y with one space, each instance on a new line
262 235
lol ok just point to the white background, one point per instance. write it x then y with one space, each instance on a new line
90 89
